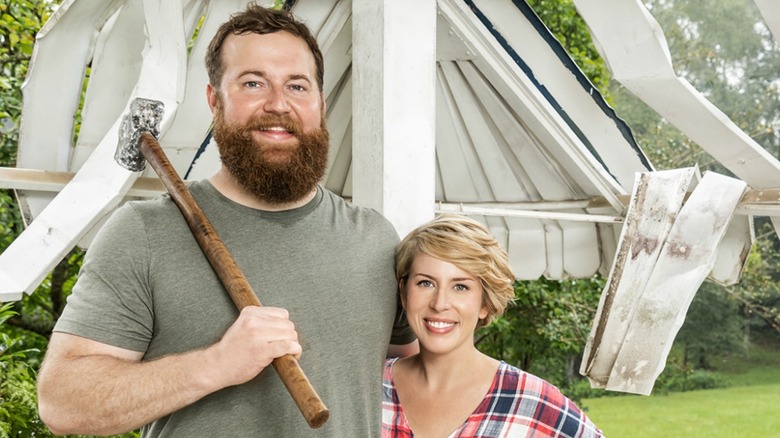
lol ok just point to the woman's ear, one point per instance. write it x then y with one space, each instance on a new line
402 292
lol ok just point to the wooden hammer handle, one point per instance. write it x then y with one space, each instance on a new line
234 281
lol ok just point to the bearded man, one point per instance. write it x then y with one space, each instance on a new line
150 340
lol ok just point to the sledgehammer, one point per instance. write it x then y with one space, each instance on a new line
137 144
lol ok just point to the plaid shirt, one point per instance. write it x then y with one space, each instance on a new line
518 404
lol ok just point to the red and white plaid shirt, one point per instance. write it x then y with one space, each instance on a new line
518 404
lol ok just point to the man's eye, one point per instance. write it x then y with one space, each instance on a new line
251 84
296 87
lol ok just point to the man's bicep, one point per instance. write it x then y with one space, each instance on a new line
64 346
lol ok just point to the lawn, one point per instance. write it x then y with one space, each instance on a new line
749 407
745 411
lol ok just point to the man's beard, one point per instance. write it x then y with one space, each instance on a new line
274 181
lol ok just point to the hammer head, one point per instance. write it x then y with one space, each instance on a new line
145 115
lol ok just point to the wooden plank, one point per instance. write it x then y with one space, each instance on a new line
47 181
534 170
770 10
655 201
502 182
63 49
632 43
581 251
620 157
450 207
340 129
733 251
116 64
395 108
100 184
684 262
462 179
526 248
526 100
553 243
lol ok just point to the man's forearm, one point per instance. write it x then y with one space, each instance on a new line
100 394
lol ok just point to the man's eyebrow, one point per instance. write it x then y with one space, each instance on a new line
262 74
296 77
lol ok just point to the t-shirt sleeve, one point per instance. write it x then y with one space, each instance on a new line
111 300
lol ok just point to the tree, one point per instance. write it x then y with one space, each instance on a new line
546 328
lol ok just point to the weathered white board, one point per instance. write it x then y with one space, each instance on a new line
684 262
655 202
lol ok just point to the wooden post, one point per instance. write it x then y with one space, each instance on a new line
393 107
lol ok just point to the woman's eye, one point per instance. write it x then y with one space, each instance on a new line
425 283
461 287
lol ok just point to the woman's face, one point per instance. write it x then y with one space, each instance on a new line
443 304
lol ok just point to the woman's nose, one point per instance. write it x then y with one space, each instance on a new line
440 301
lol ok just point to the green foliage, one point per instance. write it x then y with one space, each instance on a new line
18 399
10 219
713 327
546 329
570 29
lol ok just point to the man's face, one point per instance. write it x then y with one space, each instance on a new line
269 116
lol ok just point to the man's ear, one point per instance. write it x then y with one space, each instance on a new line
211 97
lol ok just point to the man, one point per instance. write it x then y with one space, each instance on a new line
150 340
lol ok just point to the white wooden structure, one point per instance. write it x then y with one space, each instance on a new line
466 106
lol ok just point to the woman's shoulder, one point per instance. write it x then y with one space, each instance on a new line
388 373
513 378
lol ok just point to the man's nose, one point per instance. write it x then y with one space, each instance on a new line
276 102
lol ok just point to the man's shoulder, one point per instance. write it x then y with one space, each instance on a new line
163 203
357 215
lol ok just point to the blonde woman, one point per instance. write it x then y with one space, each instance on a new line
453 278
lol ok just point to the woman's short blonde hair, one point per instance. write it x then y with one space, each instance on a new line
468 245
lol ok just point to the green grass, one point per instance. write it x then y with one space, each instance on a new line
749 407
746 411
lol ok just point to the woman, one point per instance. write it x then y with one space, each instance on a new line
453 278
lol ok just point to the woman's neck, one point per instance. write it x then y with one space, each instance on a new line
440 370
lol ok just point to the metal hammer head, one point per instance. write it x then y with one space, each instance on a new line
145 115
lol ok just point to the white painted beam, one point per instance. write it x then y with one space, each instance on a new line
393 108
770 10
633 45
100 184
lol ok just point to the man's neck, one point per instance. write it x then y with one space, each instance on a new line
227 185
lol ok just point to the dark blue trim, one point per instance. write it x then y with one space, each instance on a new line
288 5
564 57
201 149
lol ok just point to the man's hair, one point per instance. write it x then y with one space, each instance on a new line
262 21
468 245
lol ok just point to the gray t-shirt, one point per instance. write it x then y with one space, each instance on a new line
146 286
